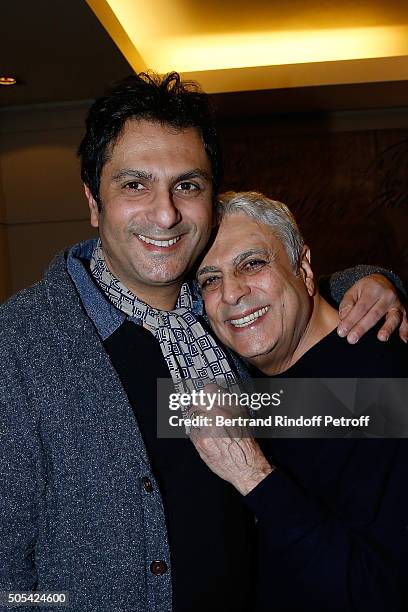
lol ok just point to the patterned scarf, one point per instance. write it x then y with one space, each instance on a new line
192 355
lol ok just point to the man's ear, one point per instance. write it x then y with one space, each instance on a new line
306 271
93 207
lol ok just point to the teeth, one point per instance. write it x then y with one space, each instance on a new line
160 243
249 318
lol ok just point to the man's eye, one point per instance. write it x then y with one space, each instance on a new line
134 186
253 265
211 282
187 186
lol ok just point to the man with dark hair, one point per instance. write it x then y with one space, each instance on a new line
167 101
93 503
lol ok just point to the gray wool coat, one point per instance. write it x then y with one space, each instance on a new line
74 514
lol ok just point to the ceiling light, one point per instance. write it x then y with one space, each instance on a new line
7 80
240 51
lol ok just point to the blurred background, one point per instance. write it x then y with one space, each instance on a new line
311 101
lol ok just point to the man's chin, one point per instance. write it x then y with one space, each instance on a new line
165 278
256 356
166 273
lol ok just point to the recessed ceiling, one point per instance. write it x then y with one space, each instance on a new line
61 52
58 50
264 44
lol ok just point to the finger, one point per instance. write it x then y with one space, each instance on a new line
212 388
345 306
197 433
358 312
392 320
364 324
195 429
194 412
403 330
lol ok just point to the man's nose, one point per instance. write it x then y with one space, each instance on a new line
234 288
162 211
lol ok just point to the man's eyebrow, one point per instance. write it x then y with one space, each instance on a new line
190 174
206 270
242 256
236 261
148 176
135 174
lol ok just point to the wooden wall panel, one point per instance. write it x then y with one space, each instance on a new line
347 189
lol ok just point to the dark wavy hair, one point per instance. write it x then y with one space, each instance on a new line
167 100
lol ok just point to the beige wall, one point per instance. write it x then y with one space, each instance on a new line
42 206
5 280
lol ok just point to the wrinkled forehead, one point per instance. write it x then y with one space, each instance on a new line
237 235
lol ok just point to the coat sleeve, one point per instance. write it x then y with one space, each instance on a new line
21 476
342 548
335 286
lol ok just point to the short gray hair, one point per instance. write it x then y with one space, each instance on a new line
269 212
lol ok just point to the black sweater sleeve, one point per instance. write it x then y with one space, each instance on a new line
339 543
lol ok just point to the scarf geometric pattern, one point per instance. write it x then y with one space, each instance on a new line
192 355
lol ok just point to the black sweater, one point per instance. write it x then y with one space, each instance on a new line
210 531
333 517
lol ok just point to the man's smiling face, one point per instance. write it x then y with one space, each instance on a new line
156 198
256 303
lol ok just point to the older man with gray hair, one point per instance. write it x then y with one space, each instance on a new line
331 512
